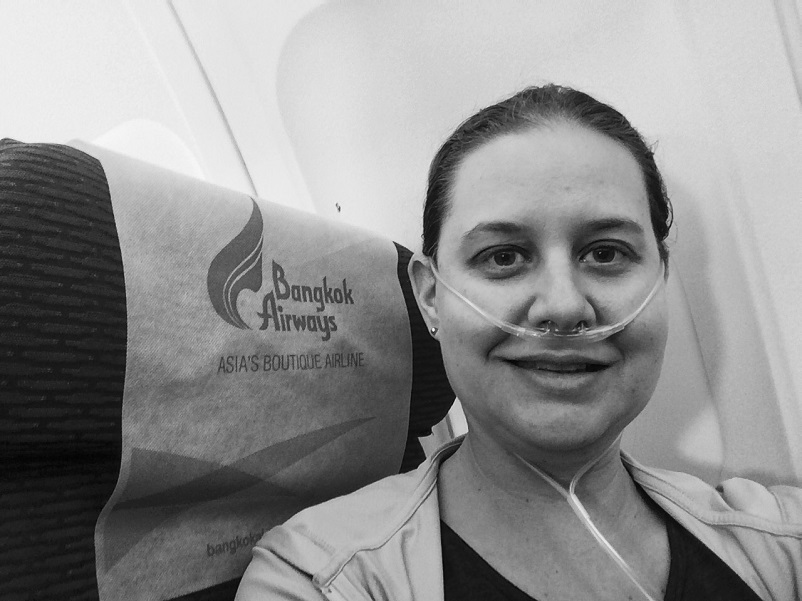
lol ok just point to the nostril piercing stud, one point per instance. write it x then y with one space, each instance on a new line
580 327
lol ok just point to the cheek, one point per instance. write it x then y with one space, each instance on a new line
657 336
644 347
463 353
466 342
465 335
462 371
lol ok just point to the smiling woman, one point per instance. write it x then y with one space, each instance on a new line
541 277
548 227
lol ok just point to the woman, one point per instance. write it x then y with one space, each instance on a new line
541 277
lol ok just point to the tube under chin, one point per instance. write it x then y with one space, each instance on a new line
579 510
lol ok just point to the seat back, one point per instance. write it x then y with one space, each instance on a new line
182 367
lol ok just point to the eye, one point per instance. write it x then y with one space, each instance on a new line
504 258
501 261
607 255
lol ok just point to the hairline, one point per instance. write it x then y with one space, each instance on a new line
527 125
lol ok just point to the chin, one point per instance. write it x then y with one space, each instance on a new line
569 434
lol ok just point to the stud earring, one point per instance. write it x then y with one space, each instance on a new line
433 331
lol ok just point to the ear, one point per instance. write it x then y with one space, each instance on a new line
424 286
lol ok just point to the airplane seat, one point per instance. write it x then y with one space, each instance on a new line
182 367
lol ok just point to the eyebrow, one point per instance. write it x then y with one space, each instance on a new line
592 226
493 227
614 223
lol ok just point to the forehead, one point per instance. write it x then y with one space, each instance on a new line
546 177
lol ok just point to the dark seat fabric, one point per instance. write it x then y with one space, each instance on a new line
62 370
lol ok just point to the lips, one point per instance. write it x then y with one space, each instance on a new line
563 363
566 377
562 367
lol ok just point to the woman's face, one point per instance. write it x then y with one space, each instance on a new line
548 225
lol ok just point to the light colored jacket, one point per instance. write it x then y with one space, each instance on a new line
382 542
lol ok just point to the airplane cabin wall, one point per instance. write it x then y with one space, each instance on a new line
117 72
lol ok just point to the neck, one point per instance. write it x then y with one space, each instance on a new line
523 478
523 518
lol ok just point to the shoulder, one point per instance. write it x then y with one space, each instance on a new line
393 520
736 500
363 518
755 529
375 512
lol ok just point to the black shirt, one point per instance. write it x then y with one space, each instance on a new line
696 573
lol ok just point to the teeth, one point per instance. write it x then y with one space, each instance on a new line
561 367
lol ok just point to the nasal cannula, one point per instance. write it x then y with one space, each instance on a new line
580 334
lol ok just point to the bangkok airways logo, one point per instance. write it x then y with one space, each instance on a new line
290 306
236 268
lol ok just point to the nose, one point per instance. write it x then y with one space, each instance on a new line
559 302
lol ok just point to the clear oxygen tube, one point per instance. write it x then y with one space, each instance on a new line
581 334
578 508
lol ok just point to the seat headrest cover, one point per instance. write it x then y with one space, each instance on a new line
269 364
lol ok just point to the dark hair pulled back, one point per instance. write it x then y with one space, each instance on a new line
531 108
